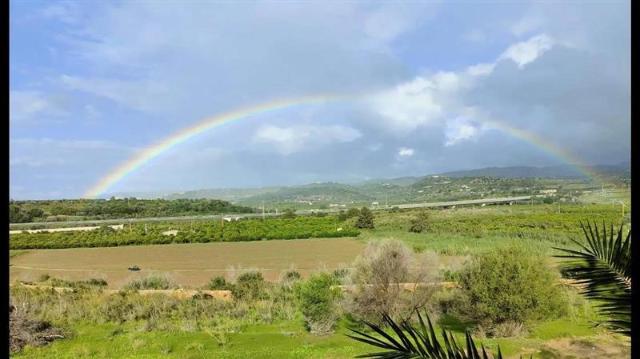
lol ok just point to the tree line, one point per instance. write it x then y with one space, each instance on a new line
77 209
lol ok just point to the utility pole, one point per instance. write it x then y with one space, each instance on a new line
263 210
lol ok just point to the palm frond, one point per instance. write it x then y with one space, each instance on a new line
407 340
603 266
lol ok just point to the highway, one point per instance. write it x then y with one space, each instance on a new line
449 204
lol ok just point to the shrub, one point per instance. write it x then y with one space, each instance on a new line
289 214
420 223
319 302
509 285
249 286
353 212
218 283
365 219
379 275
151 282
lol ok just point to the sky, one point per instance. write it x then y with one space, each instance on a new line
420 87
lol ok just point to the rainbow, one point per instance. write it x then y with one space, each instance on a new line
155 150
544 145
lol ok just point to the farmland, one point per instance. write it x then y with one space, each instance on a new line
273 326
193 232
189 265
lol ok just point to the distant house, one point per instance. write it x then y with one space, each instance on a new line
172 232
549 192
374 203
229 219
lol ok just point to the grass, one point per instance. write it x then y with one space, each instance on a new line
17 252
285 339
455 233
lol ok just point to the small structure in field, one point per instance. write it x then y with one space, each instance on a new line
172 232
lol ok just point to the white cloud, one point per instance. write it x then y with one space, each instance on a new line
293 139
431 100
528 51
415 103
480 69
405 152
460 129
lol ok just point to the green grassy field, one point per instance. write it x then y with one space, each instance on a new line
454 234
288 339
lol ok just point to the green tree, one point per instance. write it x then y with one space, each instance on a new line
289 214
365 219
509 285
420 222
249 286
318 302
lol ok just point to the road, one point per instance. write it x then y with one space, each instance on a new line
449 204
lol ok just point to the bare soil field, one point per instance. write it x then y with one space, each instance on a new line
188 265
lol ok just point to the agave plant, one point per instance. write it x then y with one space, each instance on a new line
417 341
603 266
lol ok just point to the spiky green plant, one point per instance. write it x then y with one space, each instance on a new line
603 266
417 341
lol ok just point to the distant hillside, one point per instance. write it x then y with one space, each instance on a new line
563 171
443 186
226 194
317 193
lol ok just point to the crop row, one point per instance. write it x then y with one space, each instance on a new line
197 232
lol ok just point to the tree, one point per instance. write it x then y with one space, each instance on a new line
604 265
318 301
509 286
365 219
289 214
420 222
353 212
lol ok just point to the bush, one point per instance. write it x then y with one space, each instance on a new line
319 302
365 219
509 285
353 212
249 286
379 275
420 223
289 214
151 282
218 283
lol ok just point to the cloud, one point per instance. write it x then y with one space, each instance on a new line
460 129
288 140
405 152
415 103
528 51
